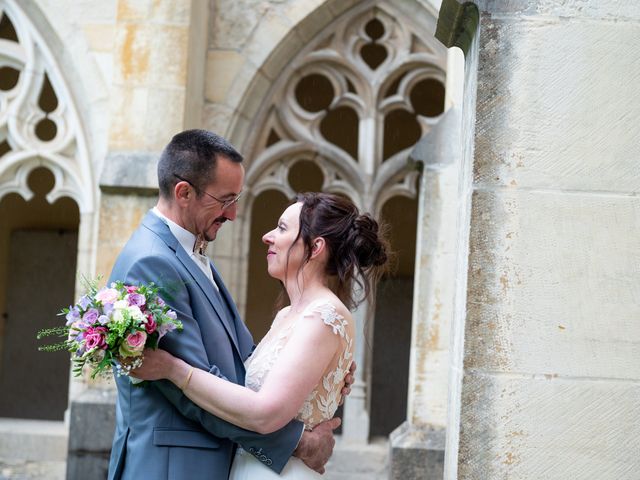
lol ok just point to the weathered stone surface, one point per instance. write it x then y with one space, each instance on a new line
222 68
554 105
416 452
120 215
551 341
605 10
130 171
92 423
525 427
551 284
24 441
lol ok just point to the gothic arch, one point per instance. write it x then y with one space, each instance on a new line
333 103
39 122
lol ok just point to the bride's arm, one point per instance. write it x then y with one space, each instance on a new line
297 371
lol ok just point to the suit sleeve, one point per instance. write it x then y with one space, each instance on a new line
274 450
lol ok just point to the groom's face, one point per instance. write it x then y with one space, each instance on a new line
205 214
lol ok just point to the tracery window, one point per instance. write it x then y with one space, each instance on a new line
354 103
38 125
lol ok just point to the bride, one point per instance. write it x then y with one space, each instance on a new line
320 250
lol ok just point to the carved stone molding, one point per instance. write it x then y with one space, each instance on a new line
339 104
38 122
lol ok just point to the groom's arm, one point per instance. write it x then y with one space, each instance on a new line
275 449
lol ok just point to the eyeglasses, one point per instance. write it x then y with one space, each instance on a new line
225 203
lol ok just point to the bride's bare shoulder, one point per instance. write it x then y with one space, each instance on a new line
332 301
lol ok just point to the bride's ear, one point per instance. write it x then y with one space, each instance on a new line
318 247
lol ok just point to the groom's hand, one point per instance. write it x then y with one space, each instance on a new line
316 447
349 378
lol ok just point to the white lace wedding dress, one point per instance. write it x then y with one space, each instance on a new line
323 401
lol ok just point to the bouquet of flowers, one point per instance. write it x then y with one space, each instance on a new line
111 326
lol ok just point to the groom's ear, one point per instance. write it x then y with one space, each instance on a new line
182 192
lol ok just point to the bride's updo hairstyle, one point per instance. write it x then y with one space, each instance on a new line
357 252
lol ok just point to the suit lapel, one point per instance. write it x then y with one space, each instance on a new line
155 224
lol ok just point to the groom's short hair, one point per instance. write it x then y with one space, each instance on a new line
192 155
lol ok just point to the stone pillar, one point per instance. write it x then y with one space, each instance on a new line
355 429
157 91
551 378
417 446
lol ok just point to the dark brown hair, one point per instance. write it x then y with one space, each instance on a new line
357 250
192 155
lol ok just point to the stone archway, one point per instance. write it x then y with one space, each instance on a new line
40 127
354 100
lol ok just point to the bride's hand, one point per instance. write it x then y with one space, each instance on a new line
156 365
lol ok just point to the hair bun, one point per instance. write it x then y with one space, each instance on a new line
370 248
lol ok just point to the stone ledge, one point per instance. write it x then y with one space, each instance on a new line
130 172
32 440
417 452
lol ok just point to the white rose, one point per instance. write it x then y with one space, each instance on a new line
135 313
121 304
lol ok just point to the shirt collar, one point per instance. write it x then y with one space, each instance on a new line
184 237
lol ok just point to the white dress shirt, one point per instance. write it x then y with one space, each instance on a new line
187 240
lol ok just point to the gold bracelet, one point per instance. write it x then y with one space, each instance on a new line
186 382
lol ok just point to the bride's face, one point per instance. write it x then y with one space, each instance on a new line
280 241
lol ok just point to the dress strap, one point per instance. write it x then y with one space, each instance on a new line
328 314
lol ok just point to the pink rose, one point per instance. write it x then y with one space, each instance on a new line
133 344
151 325
107 295
95 337
131 288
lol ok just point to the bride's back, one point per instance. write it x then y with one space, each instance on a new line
323 401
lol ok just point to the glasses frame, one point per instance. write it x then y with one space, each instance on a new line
225 203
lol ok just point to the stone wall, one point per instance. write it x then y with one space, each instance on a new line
552 340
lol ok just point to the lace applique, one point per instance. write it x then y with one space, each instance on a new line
322 402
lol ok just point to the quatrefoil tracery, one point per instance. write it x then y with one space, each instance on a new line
360 97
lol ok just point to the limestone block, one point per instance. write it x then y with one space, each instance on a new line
520 427
428 388
216 117
164 117
259 88
32 440
105 65
556 106
128 118
340 6
153 55
239 86
299 11
283 54
222 68
132 10
553 284
82 11
416 453
120 215
233 22
271 30
133 51
91 426
314 22
162 11
607 10
130 172
101 37
93 408
168 57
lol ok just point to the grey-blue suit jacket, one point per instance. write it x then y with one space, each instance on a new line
160 433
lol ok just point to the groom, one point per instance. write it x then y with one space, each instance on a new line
160 433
